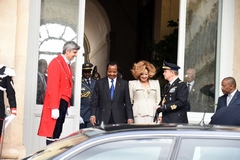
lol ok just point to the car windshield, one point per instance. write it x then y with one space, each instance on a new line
62 145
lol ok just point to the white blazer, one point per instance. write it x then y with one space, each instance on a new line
144 101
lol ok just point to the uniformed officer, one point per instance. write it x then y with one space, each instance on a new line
6 85
86 93
175 95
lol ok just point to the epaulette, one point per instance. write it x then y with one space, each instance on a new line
180 81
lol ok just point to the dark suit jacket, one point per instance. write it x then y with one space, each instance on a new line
227 116
175 99
223 100
120 107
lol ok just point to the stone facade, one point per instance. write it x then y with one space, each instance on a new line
13 53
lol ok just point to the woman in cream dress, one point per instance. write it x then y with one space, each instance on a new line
144 93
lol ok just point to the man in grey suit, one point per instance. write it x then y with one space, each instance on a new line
197 100
111 100
231 94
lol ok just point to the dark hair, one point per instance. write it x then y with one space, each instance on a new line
120 72
230 80
112 63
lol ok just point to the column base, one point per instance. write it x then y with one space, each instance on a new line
13 151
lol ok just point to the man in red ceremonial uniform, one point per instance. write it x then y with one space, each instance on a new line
58 93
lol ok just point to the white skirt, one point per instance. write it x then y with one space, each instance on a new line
143 120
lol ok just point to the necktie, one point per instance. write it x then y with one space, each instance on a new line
168 86
112 89
88 82
229 97
43 81
189 86
69 67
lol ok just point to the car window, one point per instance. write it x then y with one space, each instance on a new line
209 149
137 149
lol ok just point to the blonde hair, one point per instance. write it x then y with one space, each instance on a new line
139 68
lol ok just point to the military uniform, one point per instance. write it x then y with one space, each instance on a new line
174 101
6 84
86 94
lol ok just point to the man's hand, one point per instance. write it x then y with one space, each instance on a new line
160 109
159 119
155 119
130 121
55 113
13 111
93 120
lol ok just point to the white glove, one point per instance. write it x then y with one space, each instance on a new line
55 113
68 112
81 121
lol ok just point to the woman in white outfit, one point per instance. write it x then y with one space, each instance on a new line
144 93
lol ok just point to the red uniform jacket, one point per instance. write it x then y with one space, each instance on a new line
59 85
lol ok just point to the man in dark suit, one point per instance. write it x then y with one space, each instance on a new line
227 116
175 94
231 94
111 99
86 94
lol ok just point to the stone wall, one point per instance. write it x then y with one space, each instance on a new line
13 51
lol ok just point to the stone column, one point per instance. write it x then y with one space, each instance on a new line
13 52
